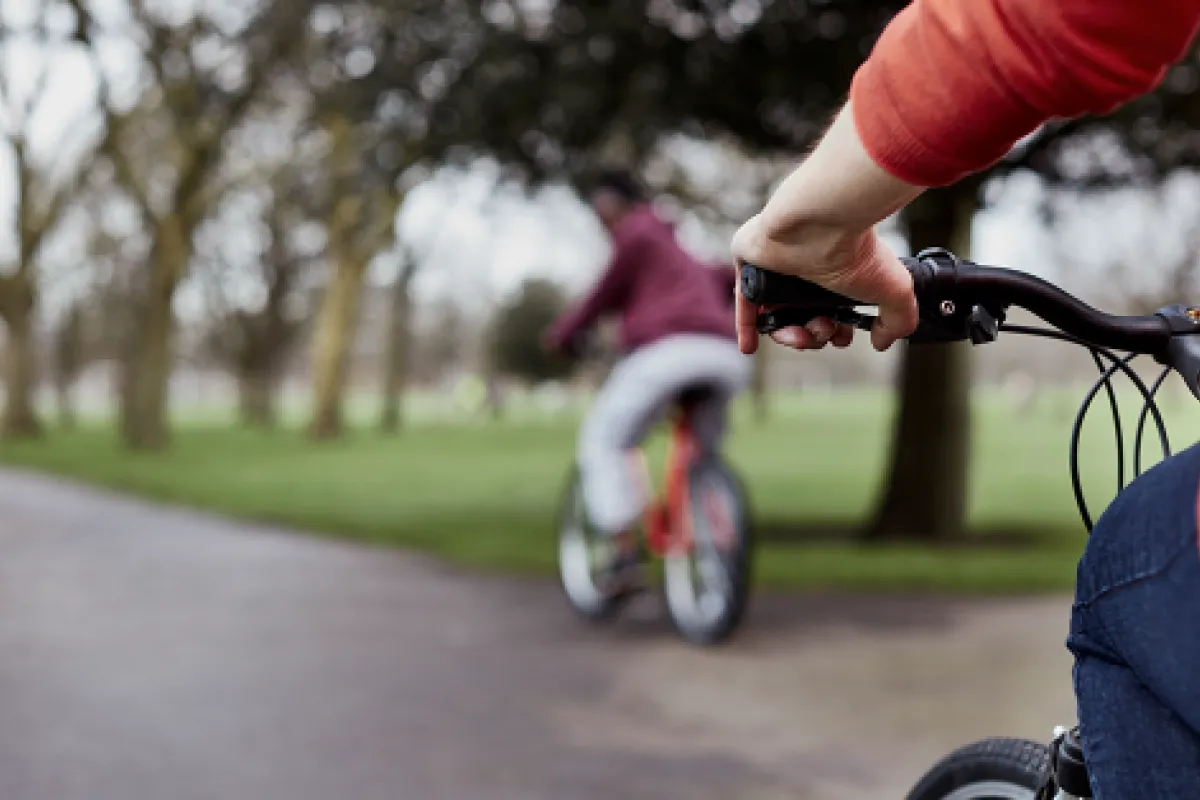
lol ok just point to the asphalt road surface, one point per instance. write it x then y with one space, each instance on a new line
155 654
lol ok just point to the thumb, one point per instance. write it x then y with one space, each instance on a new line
898 311
895 322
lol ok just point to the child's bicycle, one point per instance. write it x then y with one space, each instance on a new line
699 527
962 301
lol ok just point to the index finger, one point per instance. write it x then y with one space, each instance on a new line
747 323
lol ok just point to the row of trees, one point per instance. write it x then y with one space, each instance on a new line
317 118
198 113
617 77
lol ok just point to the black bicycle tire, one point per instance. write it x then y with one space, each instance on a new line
741 563
1019 762
607 608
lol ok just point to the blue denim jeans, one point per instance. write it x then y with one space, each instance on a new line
1135 633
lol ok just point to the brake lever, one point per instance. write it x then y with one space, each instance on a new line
773 320
979 325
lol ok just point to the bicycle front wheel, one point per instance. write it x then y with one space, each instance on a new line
583 555
994 769
708 586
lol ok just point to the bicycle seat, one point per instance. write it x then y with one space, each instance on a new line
695 394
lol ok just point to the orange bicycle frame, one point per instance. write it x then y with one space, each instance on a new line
666 518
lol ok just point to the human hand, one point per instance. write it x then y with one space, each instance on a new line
820 225
855 264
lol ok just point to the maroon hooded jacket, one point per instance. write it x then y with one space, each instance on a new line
655 286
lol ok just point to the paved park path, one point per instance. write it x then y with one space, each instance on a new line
155 654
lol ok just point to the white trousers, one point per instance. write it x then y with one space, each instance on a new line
639 392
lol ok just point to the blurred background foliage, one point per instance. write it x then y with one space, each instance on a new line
295 208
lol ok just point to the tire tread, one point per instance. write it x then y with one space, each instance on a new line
742 576
1020 761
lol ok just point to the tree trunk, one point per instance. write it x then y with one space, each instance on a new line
147 374
20 373
146 367
395 364
65 403
925 495
759 384
336 325
256 398
493 396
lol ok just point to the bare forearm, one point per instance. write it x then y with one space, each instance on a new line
838 188
819 225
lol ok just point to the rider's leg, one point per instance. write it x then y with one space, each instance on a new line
710 415
640 388
1135 632
624 410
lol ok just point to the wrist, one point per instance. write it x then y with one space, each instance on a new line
838 187
821 238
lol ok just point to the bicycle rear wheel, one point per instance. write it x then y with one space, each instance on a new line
708 586
583 556
993 769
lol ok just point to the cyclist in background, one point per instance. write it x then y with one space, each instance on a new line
677 332
949 88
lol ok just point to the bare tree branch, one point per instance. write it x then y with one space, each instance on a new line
36 95
380 226
126 175
189 197
213 281
114 123
22 200
7 100
218 186
42 222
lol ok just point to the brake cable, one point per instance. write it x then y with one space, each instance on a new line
1149 408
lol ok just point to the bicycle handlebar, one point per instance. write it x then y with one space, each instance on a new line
960 300
1144 334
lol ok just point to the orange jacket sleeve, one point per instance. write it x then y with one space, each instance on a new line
952 84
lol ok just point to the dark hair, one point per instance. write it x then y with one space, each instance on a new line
621 183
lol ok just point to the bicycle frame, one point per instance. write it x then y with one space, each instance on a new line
1068 772
668 524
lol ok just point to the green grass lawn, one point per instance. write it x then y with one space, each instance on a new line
484 495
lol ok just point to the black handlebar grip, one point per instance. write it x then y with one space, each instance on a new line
765 288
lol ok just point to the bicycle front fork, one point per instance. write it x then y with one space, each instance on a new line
1068 778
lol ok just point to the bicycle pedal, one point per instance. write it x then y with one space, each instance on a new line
626 581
